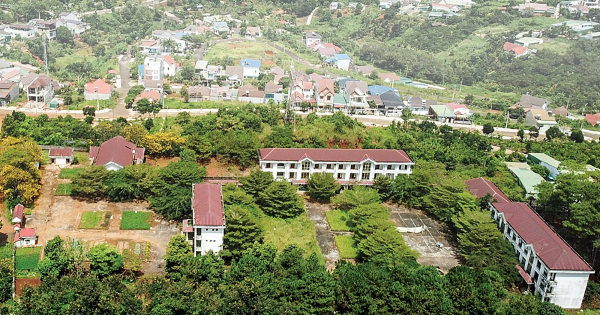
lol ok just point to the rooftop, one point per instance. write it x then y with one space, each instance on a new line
337 155
543 157
480 187
528 178
103 87
116 150
250 63
207 205
68 152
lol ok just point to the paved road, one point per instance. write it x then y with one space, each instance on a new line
120 110
311 16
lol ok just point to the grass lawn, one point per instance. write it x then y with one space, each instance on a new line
134 220
175 103
585 312
82 157
337 220
77 56
63 189
346 246
28 258
69 172
298 231
95 220
103 104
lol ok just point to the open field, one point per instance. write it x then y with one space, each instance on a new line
250 49
346 246
69 173
27 258
63 189
176 103
85 54
112 103
95 220
298 231
133 220
338 220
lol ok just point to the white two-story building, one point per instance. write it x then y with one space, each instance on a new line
348 166
206 229
549 266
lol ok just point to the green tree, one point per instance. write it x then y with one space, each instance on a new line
358 195
185 94
104 260
534 133
56 260
89 111
187 155
576 135
90 182
172 194
280 199
177 251
384 187
385 241
521 134
322 186
554 133
488 128
256 182
241 232
63 35
233 195
544 172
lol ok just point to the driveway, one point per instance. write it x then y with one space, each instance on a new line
325 237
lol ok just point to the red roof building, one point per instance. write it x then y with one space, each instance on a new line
18 214
337 155
61 156
593 119
116 154
206 229
516 49
98 90
481 187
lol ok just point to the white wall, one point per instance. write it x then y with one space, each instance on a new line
569 289
343 64
251 72
61 161
208 238
94 96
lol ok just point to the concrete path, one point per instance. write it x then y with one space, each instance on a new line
325 237
311 16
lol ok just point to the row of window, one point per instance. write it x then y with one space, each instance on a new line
340 176
366 167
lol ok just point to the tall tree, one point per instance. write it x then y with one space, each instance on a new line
322 186
280 199
90 182
104 260
241 232
256 182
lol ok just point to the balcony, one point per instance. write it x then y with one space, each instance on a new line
198 237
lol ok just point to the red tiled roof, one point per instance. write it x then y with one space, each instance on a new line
187 227
509 46
153 94
112 71
331 45
519 50
61 152
307 85
18 212
103 87
524 275
593 118
169 59
94 152
41 80
480 187
323 84
207 204
139 154
116 150
455 106
552 249
339 155
27 232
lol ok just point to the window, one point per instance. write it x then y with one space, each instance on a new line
376 175
353 175
341 167
329 97
268 165
280 165
304 175
366 167
391 176
390 167
378 167
292 175
539 264
329 166
365 176
353 166
341 176
305 166
552 276
280 174
293 166
317 166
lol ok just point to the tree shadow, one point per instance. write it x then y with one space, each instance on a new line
3 239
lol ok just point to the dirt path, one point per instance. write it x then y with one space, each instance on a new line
325 237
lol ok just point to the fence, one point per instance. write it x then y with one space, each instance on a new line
48 147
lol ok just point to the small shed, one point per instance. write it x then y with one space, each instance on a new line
61 156
24 237
53 105
18 214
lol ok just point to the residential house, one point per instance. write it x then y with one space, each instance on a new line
251 68
356 92
379 89
24 237
235 74
153 96
116 153
461 111
459 3
5 37
61 156
274 92
153 68
43 27
593 119
206 229
527 101
392 104
339 103
72 21
213 73
389 77
342 61
559 111
199 93
39 87
73 16
331 45
442 113
150 47
375 100
23 30
546 161
539 118
348 166
200 67
11 75
9 91
515 49
417 105
592 4
441 7
528 179
18 214
251 94
97 90
252 32
220 93
546 262
171 67
336 6
528 41
535 8
365 70
311 38
170 41
327 52
325 93
303 91
580 27
220 28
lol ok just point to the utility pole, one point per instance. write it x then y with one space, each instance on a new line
45 54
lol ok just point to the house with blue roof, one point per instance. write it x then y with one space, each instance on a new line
251 68
342 61
379 89
220 27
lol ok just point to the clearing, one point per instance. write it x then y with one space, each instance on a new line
133 220
297 231
27 258
95 220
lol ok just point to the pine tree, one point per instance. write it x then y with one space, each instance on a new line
281 200
256 182
241 232
322 186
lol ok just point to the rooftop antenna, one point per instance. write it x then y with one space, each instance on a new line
45 55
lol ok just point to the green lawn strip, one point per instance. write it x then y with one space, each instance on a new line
346 246
63 189
82 157
133 220
28 258
68 173
298 231
95 220
338 220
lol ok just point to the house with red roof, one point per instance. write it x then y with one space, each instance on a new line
116 153
18 214
206 229
548 265
24 237
170 66
593 119
61 156
325 92
98 90
348 166
515 49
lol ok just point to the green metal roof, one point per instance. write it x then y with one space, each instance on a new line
528 179
543 157
442 111
338 99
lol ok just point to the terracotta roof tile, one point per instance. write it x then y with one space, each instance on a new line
208 205
103 87
340 155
